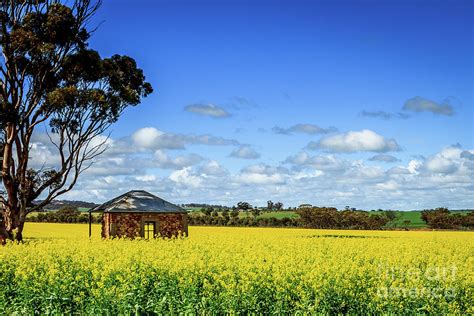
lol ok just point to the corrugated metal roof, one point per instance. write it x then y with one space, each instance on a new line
138 201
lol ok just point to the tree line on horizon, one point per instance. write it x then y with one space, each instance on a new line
309 217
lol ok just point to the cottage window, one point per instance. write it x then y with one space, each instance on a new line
149 230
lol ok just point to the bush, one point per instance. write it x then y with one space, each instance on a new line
330 217
442 218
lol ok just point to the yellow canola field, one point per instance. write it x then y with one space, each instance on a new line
238 270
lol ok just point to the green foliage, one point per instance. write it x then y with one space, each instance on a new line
245 206
278 206
270 205
234 213
390 215
329 217
235 220
442 218
67 214
256 212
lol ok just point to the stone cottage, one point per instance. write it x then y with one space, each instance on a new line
141 214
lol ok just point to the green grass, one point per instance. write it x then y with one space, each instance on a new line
413 216
279 214
193 209
81 209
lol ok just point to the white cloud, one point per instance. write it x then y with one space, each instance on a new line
440 164
414 166
389 185
443 179
310 129
265 169
384 115
213 168
355 141
164 161
152 138
446 161
467 155
146 178
419 104
398 170
207 110
42 156
262 174
384 158
146 137
342 182
320 162
245 152
185 178
258 178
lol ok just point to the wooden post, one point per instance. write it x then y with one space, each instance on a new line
90 224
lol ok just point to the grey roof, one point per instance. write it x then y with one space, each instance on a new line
138 201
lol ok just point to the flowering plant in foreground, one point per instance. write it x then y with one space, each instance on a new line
239 270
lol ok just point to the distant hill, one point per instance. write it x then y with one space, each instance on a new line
57 204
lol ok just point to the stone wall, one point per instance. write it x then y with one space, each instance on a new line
130 225
172 224
127 225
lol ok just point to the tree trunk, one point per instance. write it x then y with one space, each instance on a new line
11 222
4 235
19 231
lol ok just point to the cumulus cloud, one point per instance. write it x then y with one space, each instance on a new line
245 152
152 138
146 137
446 161
262 179
210 140
320 180
144 150
43 156
207 110
164 161
443 178
310 129
398 170
119 165
184 177
355 141
265 169
213 168
467 155
384 115
384 158
261 174
440 164
419 104
320 162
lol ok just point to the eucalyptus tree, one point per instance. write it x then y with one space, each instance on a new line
51 79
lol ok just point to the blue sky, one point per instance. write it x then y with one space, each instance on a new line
361 103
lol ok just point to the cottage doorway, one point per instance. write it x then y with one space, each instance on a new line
149 230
